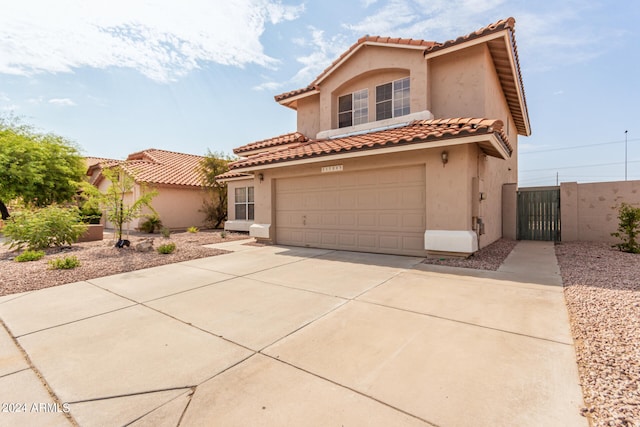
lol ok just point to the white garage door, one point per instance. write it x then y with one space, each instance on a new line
370 211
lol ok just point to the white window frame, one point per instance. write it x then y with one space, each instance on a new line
400 98
247 201
359 112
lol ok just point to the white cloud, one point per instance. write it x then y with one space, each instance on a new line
269 86
549 32
62 102
4 97
162 39
323 51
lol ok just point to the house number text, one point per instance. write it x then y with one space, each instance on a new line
334 168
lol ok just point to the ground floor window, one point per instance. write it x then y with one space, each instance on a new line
244 203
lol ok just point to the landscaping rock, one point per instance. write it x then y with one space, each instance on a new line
144 245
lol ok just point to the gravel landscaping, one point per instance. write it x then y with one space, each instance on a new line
101 258
602 292
487 258
601 288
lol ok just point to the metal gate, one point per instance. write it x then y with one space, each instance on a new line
539 214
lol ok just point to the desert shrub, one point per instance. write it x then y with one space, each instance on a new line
167 248
166 233
151 224
223 234
65 263
29 256
628 229
43 228
192 229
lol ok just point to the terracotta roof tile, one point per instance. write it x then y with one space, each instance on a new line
232 174
155 166
276 141
415 132
502 24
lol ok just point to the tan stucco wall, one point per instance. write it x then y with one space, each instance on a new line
179 208
457 83
309 116
589 212
449 188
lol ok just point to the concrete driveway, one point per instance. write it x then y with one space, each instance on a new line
278 336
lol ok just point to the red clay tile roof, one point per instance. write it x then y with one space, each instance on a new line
361 41
164 167
155 166
93 161
502 24
233 174
288 138
415 132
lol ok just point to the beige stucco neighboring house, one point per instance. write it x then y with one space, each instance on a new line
402 146
175 176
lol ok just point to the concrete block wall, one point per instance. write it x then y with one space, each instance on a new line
589 212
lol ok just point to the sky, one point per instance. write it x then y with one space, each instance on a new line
195 76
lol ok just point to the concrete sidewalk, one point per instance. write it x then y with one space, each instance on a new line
295 336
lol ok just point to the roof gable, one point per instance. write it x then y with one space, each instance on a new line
500 39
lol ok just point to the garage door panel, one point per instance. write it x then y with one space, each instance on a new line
380 210
367 220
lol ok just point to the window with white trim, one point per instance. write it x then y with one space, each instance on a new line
353 109
392 99
244 203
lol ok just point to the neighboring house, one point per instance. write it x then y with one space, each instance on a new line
175 176
402 146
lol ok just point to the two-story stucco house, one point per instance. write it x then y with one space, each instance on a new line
402 146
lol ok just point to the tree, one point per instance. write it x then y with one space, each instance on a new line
118 211
215 209
41 169
628 229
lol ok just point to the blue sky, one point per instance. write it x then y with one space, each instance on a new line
120 76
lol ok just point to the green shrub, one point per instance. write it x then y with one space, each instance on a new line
90 214
166 233
167 248
223 234
65 263
628 229
43 228
192 229
29 256
151 224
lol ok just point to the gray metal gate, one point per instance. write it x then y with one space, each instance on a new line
539 214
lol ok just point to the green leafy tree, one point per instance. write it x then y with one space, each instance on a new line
215 207
628 229
41 169
118 210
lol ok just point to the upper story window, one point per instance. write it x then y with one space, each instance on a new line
353 109
244 203
392 99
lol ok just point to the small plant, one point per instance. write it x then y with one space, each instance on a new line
223 234
66 263
166 233
628 229
167 248
29 256
192 229
151 224
43 228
